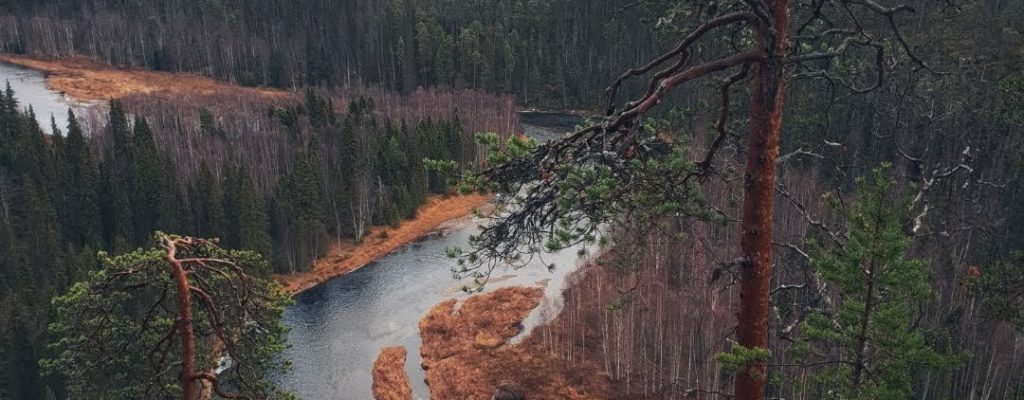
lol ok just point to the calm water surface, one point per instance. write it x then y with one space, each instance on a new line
339 327
30 89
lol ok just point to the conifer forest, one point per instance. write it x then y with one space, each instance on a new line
512 199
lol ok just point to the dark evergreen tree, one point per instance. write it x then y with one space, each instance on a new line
80 208
207 204
147 186
303 235
276 76
245 214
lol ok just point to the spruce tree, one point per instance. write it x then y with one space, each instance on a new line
207 123
303 209
81 211
116 175
207 204
115 209
275 70
120 134
147 181
245 214
172 215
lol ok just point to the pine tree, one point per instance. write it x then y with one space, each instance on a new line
106 327
874 331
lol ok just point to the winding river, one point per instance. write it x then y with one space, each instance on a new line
339 327
30 89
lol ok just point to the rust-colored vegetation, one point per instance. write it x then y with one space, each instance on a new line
467 356
85 79
346 256
390 382
248 135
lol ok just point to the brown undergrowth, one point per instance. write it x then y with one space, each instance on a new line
390 382
466 352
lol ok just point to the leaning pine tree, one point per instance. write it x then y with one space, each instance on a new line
620 171
183 320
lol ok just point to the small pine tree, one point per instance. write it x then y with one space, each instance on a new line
873 332
207 123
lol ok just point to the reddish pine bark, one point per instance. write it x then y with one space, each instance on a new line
188 340
756 223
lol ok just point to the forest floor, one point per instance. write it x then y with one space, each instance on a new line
88 80
346 256
466 352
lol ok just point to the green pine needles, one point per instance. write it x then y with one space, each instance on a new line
872 345
117 334
568 192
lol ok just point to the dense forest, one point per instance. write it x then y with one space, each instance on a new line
873 220
107 181
556 53
912 163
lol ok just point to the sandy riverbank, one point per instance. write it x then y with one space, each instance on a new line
346 256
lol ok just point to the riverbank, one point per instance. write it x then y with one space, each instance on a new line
467 351
390 382
347 256
87 80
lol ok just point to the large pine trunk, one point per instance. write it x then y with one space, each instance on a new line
767 89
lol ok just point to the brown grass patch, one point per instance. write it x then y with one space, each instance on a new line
390 382
85 79
465 355
346 256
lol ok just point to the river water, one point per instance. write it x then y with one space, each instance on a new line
30 89
339 326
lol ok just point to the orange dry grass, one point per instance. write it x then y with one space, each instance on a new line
465 357
390 382
346 256
84 79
